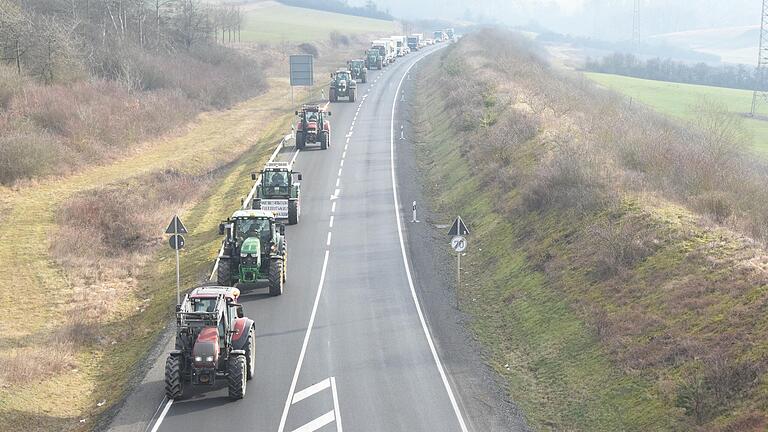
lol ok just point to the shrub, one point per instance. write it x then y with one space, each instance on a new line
308 48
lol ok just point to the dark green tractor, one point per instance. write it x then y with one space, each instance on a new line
279 192
342 85
358 69
373 59
254 252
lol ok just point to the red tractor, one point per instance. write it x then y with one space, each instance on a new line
312 127
213 340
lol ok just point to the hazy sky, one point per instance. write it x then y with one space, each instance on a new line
610 19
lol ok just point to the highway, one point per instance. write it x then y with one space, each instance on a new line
346 346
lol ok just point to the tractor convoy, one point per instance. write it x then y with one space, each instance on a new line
214 340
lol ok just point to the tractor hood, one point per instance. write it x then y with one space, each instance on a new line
205 353
251 245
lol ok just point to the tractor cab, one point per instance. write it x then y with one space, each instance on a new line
279 191
253 251
342 85
373 59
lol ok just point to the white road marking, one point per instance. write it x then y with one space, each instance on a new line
303 352
336 407
415 298
344 154
295 155
162 415
330 223
341 163
309 391
316 423
347 140
328 240
336 192
333 207
337 181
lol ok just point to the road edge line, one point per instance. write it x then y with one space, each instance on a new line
423 321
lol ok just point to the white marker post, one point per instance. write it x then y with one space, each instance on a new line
414 213
402 133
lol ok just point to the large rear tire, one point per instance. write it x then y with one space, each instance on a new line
276 277
293 212
173 383
250 354
301 140
324 140
332 95
224 272
352 95
236 376
365 78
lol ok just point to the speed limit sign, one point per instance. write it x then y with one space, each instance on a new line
459 243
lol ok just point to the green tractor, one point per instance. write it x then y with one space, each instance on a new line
373 59
279 191
254 252
358 69
342 85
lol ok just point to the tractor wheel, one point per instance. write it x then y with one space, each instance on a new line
352 95
301 140
332 95
224 272
365 78
324 141
236 376
173 382
293 212
276 275
250 354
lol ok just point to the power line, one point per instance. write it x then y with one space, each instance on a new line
760 92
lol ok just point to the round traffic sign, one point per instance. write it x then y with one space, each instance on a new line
459 243
176 241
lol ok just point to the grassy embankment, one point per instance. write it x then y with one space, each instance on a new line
604 300
681 101
272 22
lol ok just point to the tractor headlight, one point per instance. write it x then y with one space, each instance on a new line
243 255
209 359
198 359
253 255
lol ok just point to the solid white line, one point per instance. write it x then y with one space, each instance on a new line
336 408
328 240
309 391
162 415
295 154
316 423
427 334
333 207
303 352
330 223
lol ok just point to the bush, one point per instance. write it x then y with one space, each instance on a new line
338 39
308 48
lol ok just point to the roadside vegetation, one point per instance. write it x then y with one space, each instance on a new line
624 273
77 89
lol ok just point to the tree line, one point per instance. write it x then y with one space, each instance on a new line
738 76
47 38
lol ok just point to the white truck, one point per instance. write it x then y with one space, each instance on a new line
386 48
415 41
401 47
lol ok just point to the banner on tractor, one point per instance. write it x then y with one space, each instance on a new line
279 207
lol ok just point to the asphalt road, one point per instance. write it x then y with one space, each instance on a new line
346 345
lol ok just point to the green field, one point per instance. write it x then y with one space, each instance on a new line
680 100
274 22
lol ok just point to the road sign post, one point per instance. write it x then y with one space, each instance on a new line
458 232
176 228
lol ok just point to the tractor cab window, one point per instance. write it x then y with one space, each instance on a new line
204 304
278 179
343 75
312 117
252 228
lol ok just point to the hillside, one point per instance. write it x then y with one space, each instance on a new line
613 273
683 101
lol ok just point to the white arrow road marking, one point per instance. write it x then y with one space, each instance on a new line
317 423
311 390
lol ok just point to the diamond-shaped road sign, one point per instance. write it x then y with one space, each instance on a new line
176 227
458 228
